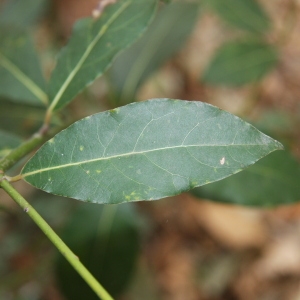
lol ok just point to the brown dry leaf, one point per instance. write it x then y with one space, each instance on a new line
280 258
233 226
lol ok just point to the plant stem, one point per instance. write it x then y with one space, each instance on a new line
8 161
25 148
58 243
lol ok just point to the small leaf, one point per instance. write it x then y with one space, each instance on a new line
272 181
238 63
146 151
93 46
163 39
20 72
242 14
106 239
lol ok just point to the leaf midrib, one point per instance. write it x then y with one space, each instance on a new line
129 154
23 79
86 53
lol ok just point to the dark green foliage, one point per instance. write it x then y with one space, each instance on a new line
272 181
242 14
164 37
21 76
240 62
106 240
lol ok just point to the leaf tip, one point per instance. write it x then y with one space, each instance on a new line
278 145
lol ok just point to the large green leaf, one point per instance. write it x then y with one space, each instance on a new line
106 240
164 37
93 46
243 14
147 150
20 72
240 62
274 180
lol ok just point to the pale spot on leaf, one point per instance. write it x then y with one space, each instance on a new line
222 161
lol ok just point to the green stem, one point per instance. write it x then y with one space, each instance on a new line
58 243
15 155
25 148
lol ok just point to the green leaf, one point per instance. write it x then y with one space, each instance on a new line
163 39
146 151
242 14
25 119
20 72
8 141
272 181
20 13
106 239
93 46
239 63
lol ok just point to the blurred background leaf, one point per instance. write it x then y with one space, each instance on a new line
8 141
166 35
25 119
20 72
242 14
21 13
106 240
240 62
272 181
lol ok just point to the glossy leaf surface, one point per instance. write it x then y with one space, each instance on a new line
242 14
238 63
164 37
93 46
274 180
146 151
20 72
106 239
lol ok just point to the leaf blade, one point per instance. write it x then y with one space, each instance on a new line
79 62
146 151
21 75
8 141
242 14
108 244
240 62
17 13
163 38
272 181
